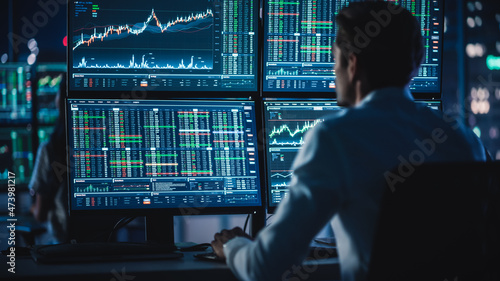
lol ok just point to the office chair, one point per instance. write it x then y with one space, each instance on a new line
440 223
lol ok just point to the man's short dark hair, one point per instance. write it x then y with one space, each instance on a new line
385 37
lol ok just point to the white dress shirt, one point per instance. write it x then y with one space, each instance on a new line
339 178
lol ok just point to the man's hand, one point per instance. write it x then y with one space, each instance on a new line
225 235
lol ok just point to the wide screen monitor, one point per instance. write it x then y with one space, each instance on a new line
299 35
285 124
154 45
168 154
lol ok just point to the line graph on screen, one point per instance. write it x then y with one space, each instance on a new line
291 133
157 40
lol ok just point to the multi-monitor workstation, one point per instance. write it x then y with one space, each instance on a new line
176 105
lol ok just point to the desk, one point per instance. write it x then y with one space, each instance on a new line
186 268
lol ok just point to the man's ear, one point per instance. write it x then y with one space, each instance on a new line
352 67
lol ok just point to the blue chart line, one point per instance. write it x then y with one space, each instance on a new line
143 46
299 142
281 175
281 180
144 64
280 185
118 32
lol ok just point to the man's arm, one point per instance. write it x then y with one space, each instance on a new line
314 197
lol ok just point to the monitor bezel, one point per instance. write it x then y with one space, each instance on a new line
189 210
163 93
333 93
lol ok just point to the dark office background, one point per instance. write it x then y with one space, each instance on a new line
471 67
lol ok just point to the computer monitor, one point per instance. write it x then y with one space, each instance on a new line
49 78
285 123
16 91
175 156
298 36
163 46
16 155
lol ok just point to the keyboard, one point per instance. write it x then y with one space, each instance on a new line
102 251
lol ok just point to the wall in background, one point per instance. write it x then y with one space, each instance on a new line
471 67
482 71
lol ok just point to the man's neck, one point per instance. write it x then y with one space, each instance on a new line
361 90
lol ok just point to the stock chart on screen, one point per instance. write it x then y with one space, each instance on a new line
298 36
286 122
162 154
198 45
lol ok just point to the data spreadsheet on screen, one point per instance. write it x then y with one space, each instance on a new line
162 154
298 36
195 45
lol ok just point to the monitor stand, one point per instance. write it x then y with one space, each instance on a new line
159 244
258 221
159 228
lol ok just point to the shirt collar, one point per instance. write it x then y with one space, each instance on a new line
390 93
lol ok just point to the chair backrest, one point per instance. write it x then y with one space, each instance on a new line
439 223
